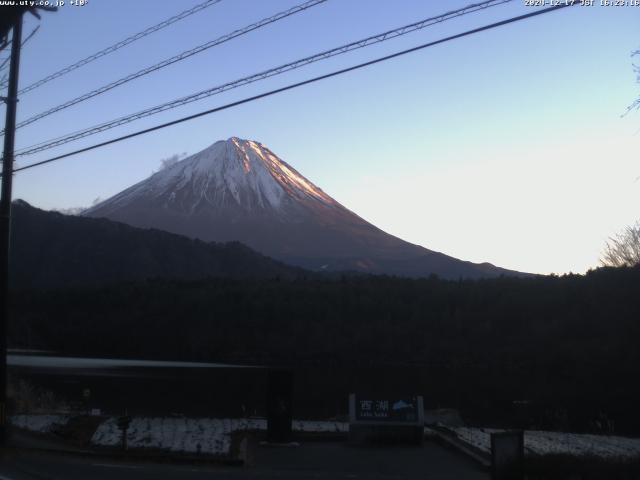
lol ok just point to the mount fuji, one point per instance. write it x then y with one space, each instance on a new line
239 190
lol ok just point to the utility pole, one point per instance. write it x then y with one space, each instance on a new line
5 214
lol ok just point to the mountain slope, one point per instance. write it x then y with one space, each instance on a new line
240 190
49 249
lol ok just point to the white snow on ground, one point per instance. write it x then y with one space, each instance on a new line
213 435
39 423
309 426
193 435
544 443
553 443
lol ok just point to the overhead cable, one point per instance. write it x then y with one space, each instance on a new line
296 85
404 30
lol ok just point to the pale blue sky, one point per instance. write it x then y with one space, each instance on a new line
507 146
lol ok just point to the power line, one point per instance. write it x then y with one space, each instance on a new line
120 44
176 58
47 144
298 84
259 76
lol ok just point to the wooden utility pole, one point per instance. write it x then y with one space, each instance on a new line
5 214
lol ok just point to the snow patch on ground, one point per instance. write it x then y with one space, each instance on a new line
193 435
558 443
209 436
308 426
39 423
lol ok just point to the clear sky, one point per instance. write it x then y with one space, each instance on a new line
507 146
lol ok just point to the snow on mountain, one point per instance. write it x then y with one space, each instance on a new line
233 173
239 190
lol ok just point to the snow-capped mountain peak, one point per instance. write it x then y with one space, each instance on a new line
240 190
237 173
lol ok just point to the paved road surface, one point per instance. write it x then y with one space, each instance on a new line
312 460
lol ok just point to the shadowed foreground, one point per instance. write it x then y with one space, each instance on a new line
310 460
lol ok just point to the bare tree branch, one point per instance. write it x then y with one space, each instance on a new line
623 249
636 68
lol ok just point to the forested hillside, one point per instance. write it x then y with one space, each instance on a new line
570 341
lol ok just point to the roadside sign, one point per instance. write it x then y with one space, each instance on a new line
388 419
386 409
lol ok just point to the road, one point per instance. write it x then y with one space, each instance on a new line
312 460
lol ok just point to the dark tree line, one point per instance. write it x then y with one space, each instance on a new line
568 343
